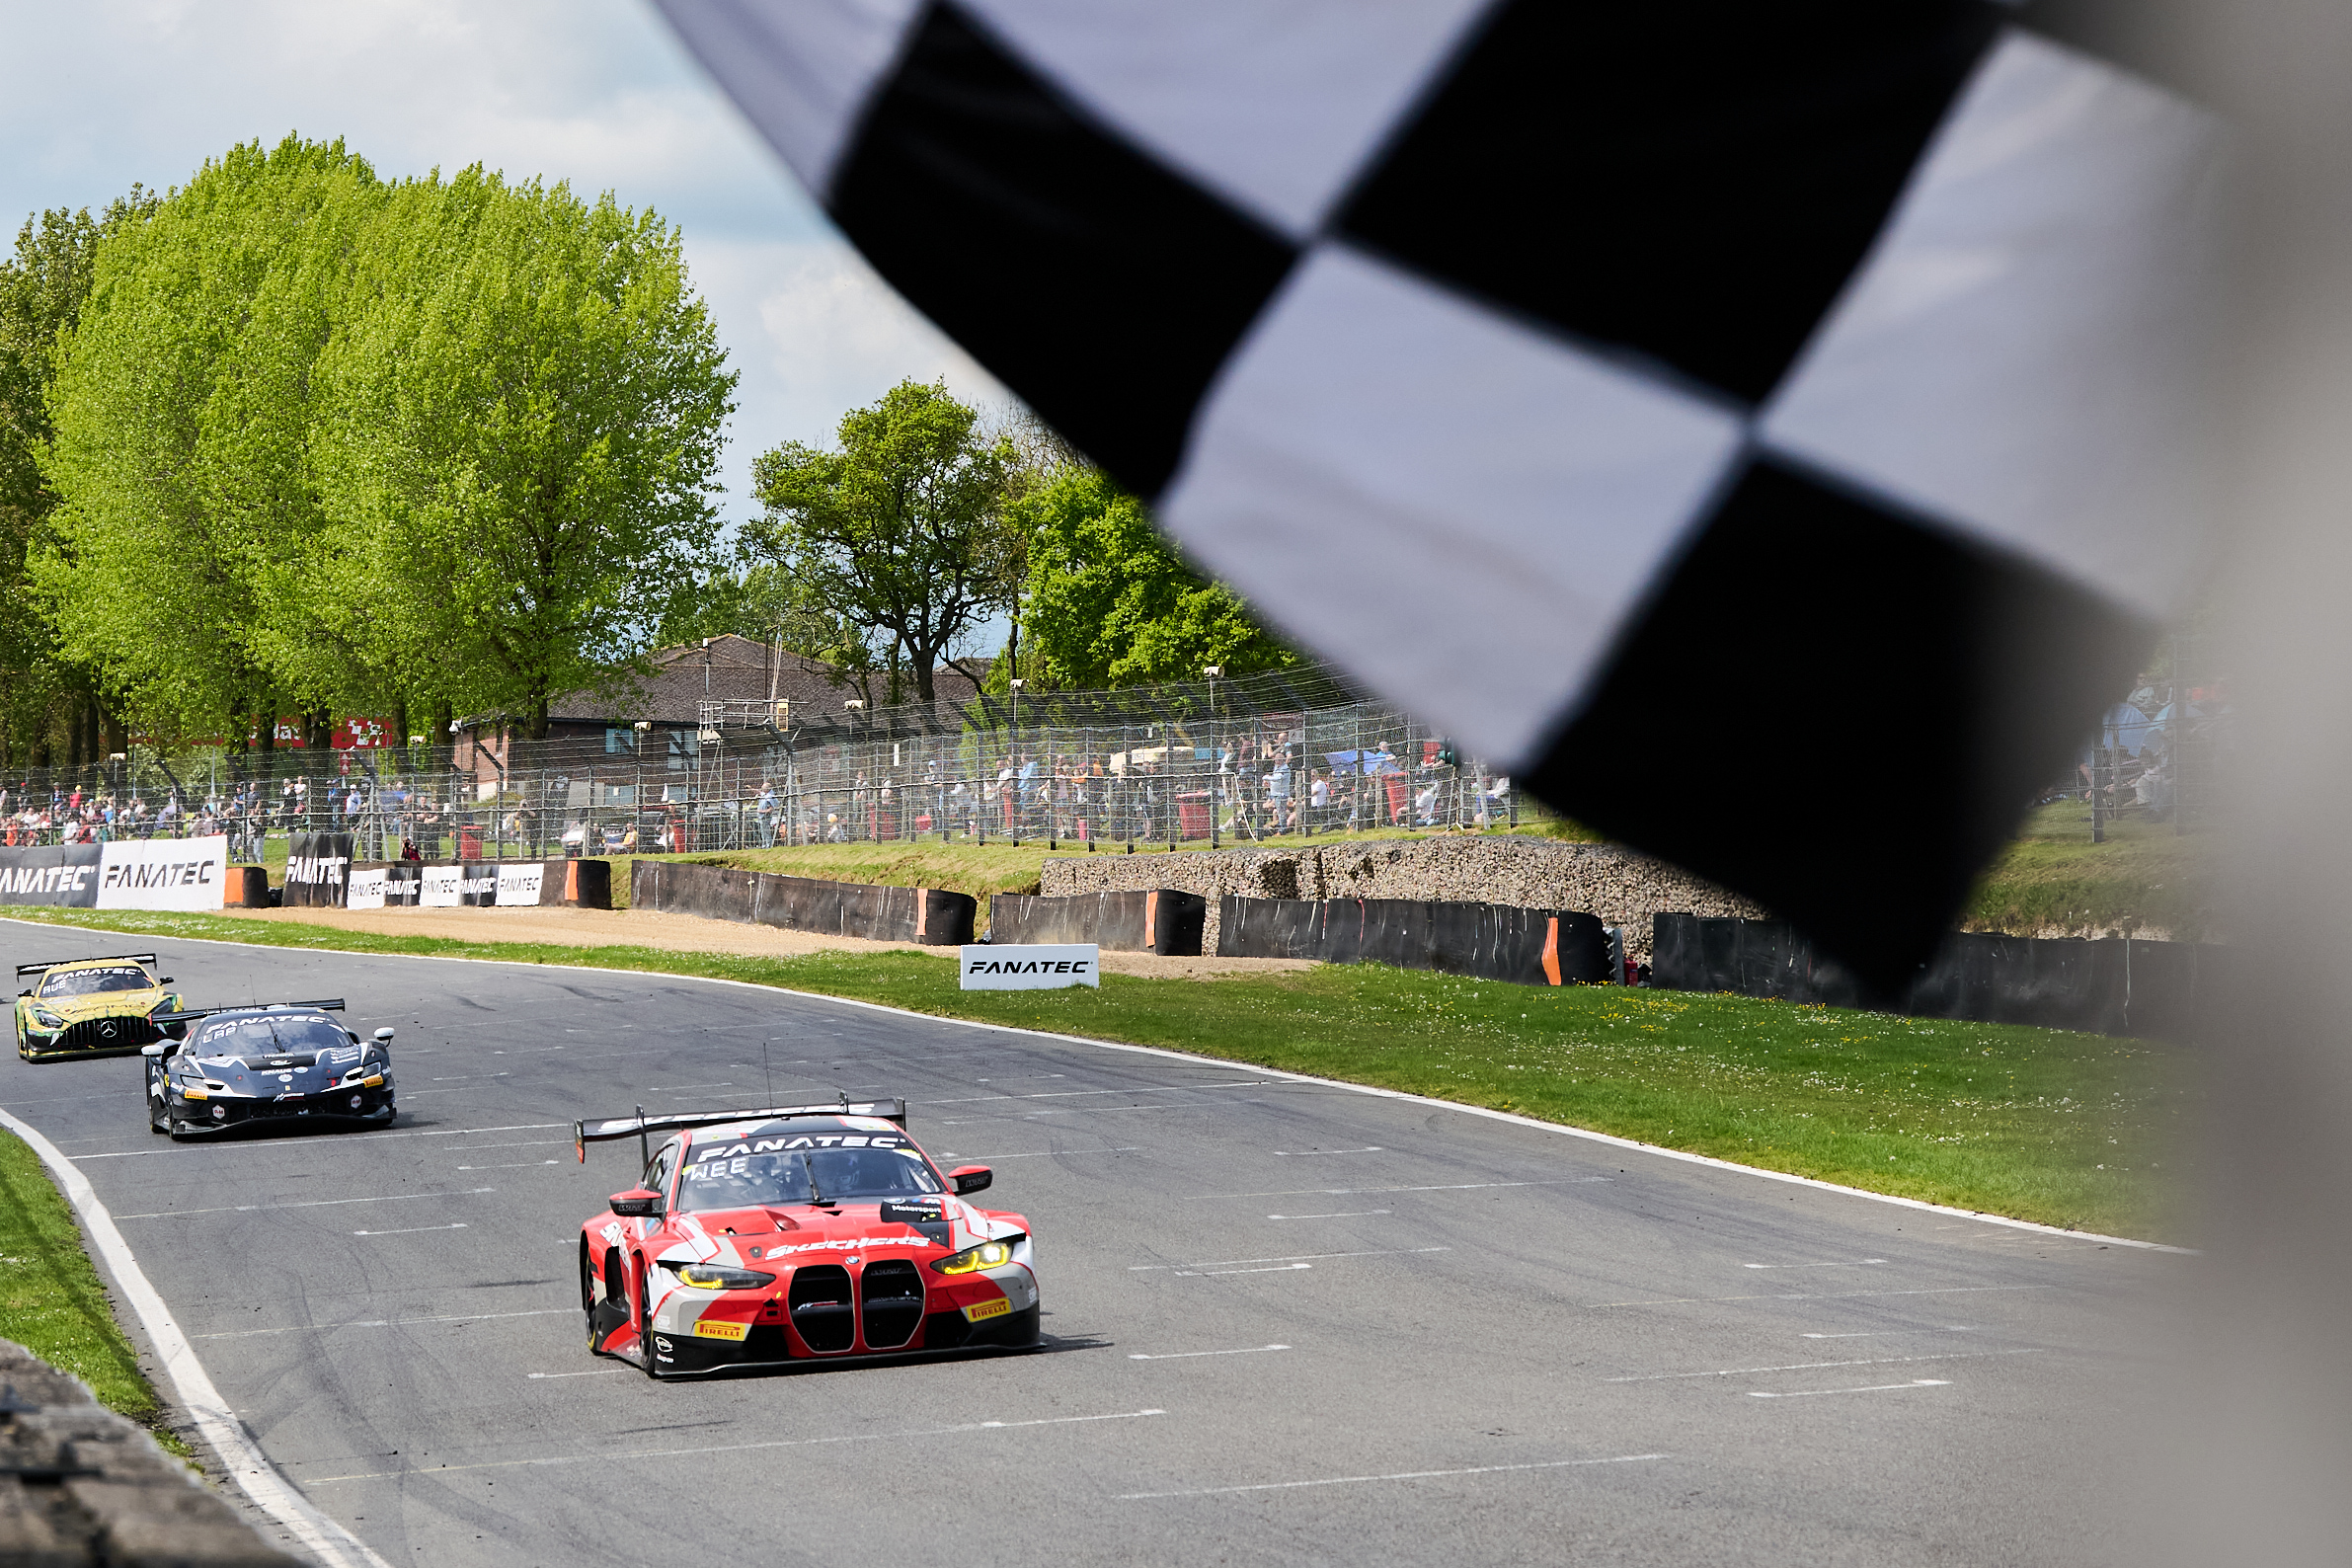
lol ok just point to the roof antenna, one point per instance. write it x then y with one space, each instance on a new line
644 1151
844 1094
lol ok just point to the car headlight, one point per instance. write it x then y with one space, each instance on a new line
987 1255
710 1277
47 1019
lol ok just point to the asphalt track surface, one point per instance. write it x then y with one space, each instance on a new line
1285 1322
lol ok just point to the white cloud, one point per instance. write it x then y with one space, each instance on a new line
99 94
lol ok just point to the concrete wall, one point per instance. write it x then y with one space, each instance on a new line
1621 887
80 1485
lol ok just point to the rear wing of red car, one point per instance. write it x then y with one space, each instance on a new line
641 1126
148 960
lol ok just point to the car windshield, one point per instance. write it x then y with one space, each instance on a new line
266 1035
91 981
725 1176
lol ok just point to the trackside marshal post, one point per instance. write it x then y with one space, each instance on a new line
1034 967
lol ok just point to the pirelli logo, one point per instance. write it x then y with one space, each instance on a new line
980 1309
707 1329
1033 967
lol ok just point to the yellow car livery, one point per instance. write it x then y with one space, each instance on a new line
91 1006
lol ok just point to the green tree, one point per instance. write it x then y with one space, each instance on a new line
42 287
517 446
902 533
180 408
1109 603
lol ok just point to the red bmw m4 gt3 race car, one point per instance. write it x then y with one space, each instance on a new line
758 1238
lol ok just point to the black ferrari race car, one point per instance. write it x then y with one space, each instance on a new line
280 1062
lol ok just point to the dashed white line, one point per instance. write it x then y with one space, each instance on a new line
1881 1333
1819 1366
734 1448
1873 1388
528 1164
412 1231
1447 1187
1294 1257
597 1371
1301 1154
307 1203
1859 1263
1348 1213
1073 1094
1824 1296
385 1322
1397 1475
1187 1354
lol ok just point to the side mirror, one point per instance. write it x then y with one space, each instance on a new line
382 1035
159 1048
167 981
971 1178
637 1203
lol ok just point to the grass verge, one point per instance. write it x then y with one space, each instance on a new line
51 1300
2145 878
2035 1124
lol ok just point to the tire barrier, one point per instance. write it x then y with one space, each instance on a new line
1161 920
80 1484
248 888
1486 941
930 917
2108 986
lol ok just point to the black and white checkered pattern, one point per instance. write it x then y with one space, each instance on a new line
1767 427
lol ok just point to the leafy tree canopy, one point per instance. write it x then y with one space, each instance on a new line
1109 603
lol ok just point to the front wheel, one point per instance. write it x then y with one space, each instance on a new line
645 1325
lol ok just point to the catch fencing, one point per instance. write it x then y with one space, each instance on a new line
1297 752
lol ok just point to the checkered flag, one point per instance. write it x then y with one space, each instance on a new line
1767 428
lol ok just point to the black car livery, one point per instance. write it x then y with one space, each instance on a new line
287 1062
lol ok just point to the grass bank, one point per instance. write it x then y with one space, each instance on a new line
2145 877
51 1300
2035 1124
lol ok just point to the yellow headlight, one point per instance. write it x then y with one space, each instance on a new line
987 1255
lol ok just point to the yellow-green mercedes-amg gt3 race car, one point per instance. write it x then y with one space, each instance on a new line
91 1006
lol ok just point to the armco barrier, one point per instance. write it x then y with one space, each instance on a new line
1161 920
1490 941
2111 986
931 917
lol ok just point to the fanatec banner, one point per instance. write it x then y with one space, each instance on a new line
134 874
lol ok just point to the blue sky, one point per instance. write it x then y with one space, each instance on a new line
97 94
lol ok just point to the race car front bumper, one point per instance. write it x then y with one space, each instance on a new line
702 1331
218 1113
118 1036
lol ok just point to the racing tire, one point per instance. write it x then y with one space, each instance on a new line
176 1128
645 1325
587 1295
158 1123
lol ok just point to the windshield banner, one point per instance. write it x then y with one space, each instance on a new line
1037 967
122 873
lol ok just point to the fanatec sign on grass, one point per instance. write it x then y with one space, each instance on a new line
1031 967
126 874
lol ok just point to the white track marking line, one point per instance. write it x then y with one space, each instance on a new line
1819 1366
1351 1214
1275 1075
528 1164
1304 1153
734 1448
1293 1257
1045 1153
384 1322
1276 1268
1187 1354
414 1230
1881 1333
307 1203
1366 1191
239 1453
273 1147
678 1088
601 1371
1825 1296
535 1142
1076 1094
1860 1263
1874 1388
1399 1475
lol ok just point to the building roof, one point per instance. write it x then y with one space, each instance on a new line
733 669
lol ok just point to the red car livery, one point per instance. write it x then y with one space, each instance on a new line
761 1237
